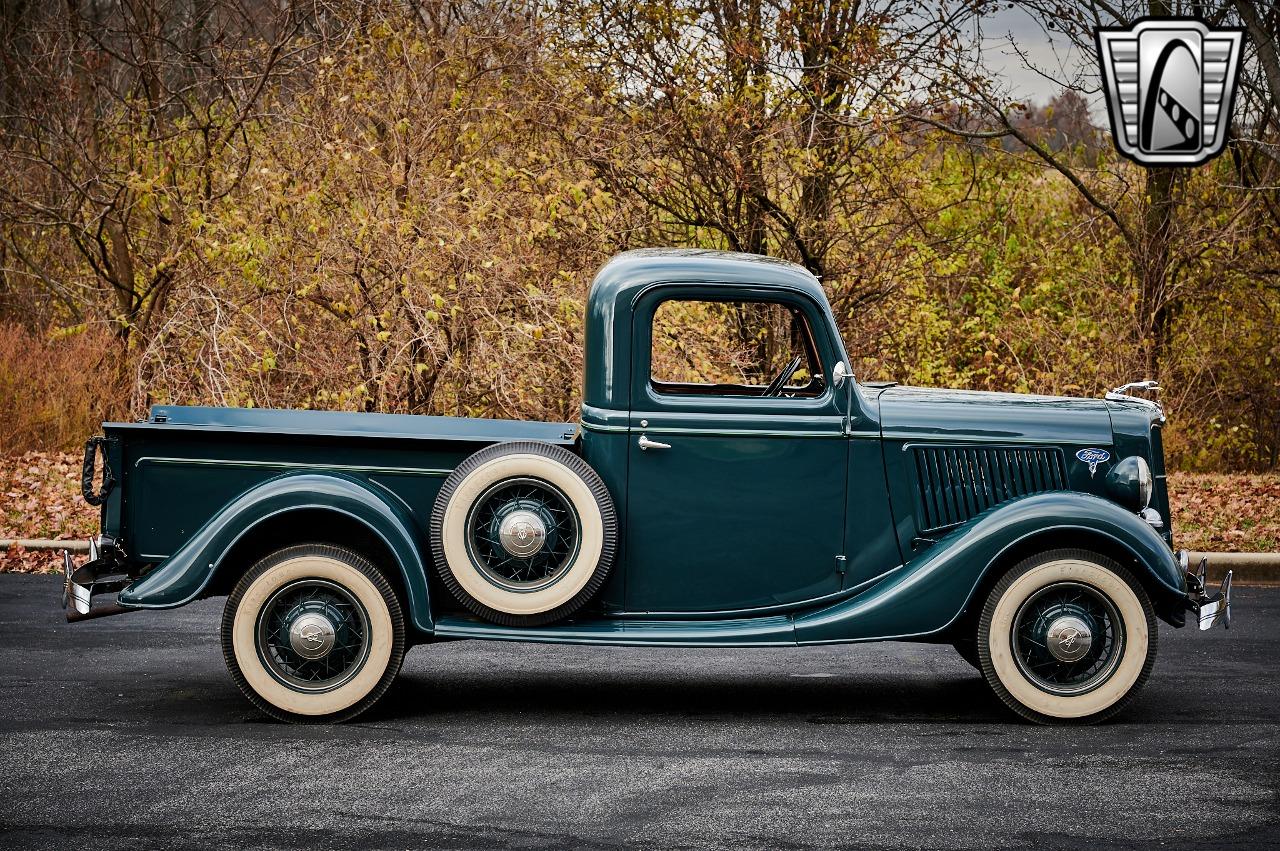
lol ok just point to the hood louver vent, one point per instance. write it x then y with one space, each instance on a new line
959 482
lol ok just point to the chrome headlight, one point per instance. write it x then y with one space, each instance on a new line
1146 482
1130 482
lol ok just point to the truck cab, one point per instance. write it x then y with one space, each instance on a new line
741 468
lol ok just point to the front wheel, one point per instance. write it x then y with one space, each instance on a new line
1067 636
313 633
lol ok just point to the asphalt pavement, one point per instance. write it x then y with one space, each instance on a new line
128 732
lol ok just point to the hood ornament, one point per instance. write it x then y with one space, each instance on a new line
1122 394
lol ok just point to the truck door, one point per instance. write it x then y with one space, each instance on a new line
737 462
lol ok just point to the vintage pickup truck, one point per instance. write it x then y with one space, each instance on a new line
730 484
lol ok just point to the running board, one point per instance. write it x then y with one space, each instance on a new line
775 631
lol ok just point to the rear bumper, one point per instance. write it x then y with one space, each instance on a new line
1210 607
99 576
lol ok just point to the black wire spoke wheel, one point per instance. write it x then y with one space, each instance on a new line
313 635
1068 638
523 534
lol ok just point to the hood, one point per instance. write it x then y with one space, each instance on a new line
951 454
917 413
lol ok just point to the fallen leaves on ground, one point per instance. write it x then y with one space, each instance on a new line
1226 512
40 498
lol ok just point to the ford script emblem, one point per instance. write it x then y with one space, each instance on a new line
1093 457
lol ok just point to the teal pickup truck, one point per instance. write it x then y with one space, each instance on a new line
730 484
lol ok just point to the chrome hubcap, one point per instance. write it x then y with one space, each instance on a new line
1069 638
522 533
311 636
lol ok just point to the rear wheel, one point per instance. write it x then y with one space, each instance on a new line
1067 636
313 633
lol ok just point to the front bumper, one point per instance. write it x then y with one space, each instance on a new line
1211 608
100 575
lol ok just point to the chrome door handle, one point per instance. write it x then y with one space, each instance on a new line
646 443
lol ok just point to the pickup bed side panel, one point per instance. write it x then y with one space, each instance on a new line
174 478
184 576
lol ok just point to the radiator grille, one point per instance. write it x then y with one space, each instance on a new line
958 482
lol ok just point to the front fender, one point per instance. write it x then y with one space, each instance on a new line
927 594
184 575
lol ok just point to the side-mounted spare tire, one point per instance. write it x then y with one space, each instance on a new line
524 533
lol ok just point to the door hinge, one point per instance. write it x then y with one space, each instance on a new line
842 564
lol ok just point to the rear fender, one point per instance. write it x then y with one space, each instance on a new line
186 574
928 594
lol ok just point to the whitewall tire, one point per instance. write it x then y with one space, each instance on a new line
313 633
523 533
1067 636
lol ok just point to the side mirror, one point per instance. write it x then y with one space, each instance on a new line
840 374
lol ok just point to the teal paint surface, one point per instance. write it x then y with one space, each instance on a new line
772 631
176 478
1138 427
621 281
871 537
343 424
927 594
184 576
729 538
606 452
918 600
718 525
913 416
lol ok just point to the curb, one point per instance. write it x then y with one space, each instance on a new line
44 544
1246 568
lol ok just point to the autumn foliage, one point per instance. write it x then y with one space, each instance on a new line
56 389
398 206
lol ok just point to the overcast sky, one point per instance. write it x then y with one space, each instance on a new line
1058 58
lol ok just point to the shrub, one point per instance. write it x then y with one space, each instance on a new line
55 388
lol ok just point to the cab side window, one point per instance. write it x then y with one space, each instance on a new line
732 348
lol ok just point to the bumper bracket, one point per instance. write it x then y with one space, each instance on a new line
1211 608
99 575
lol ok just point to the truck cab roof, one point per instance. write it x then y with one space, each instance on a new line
626 274
622 280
